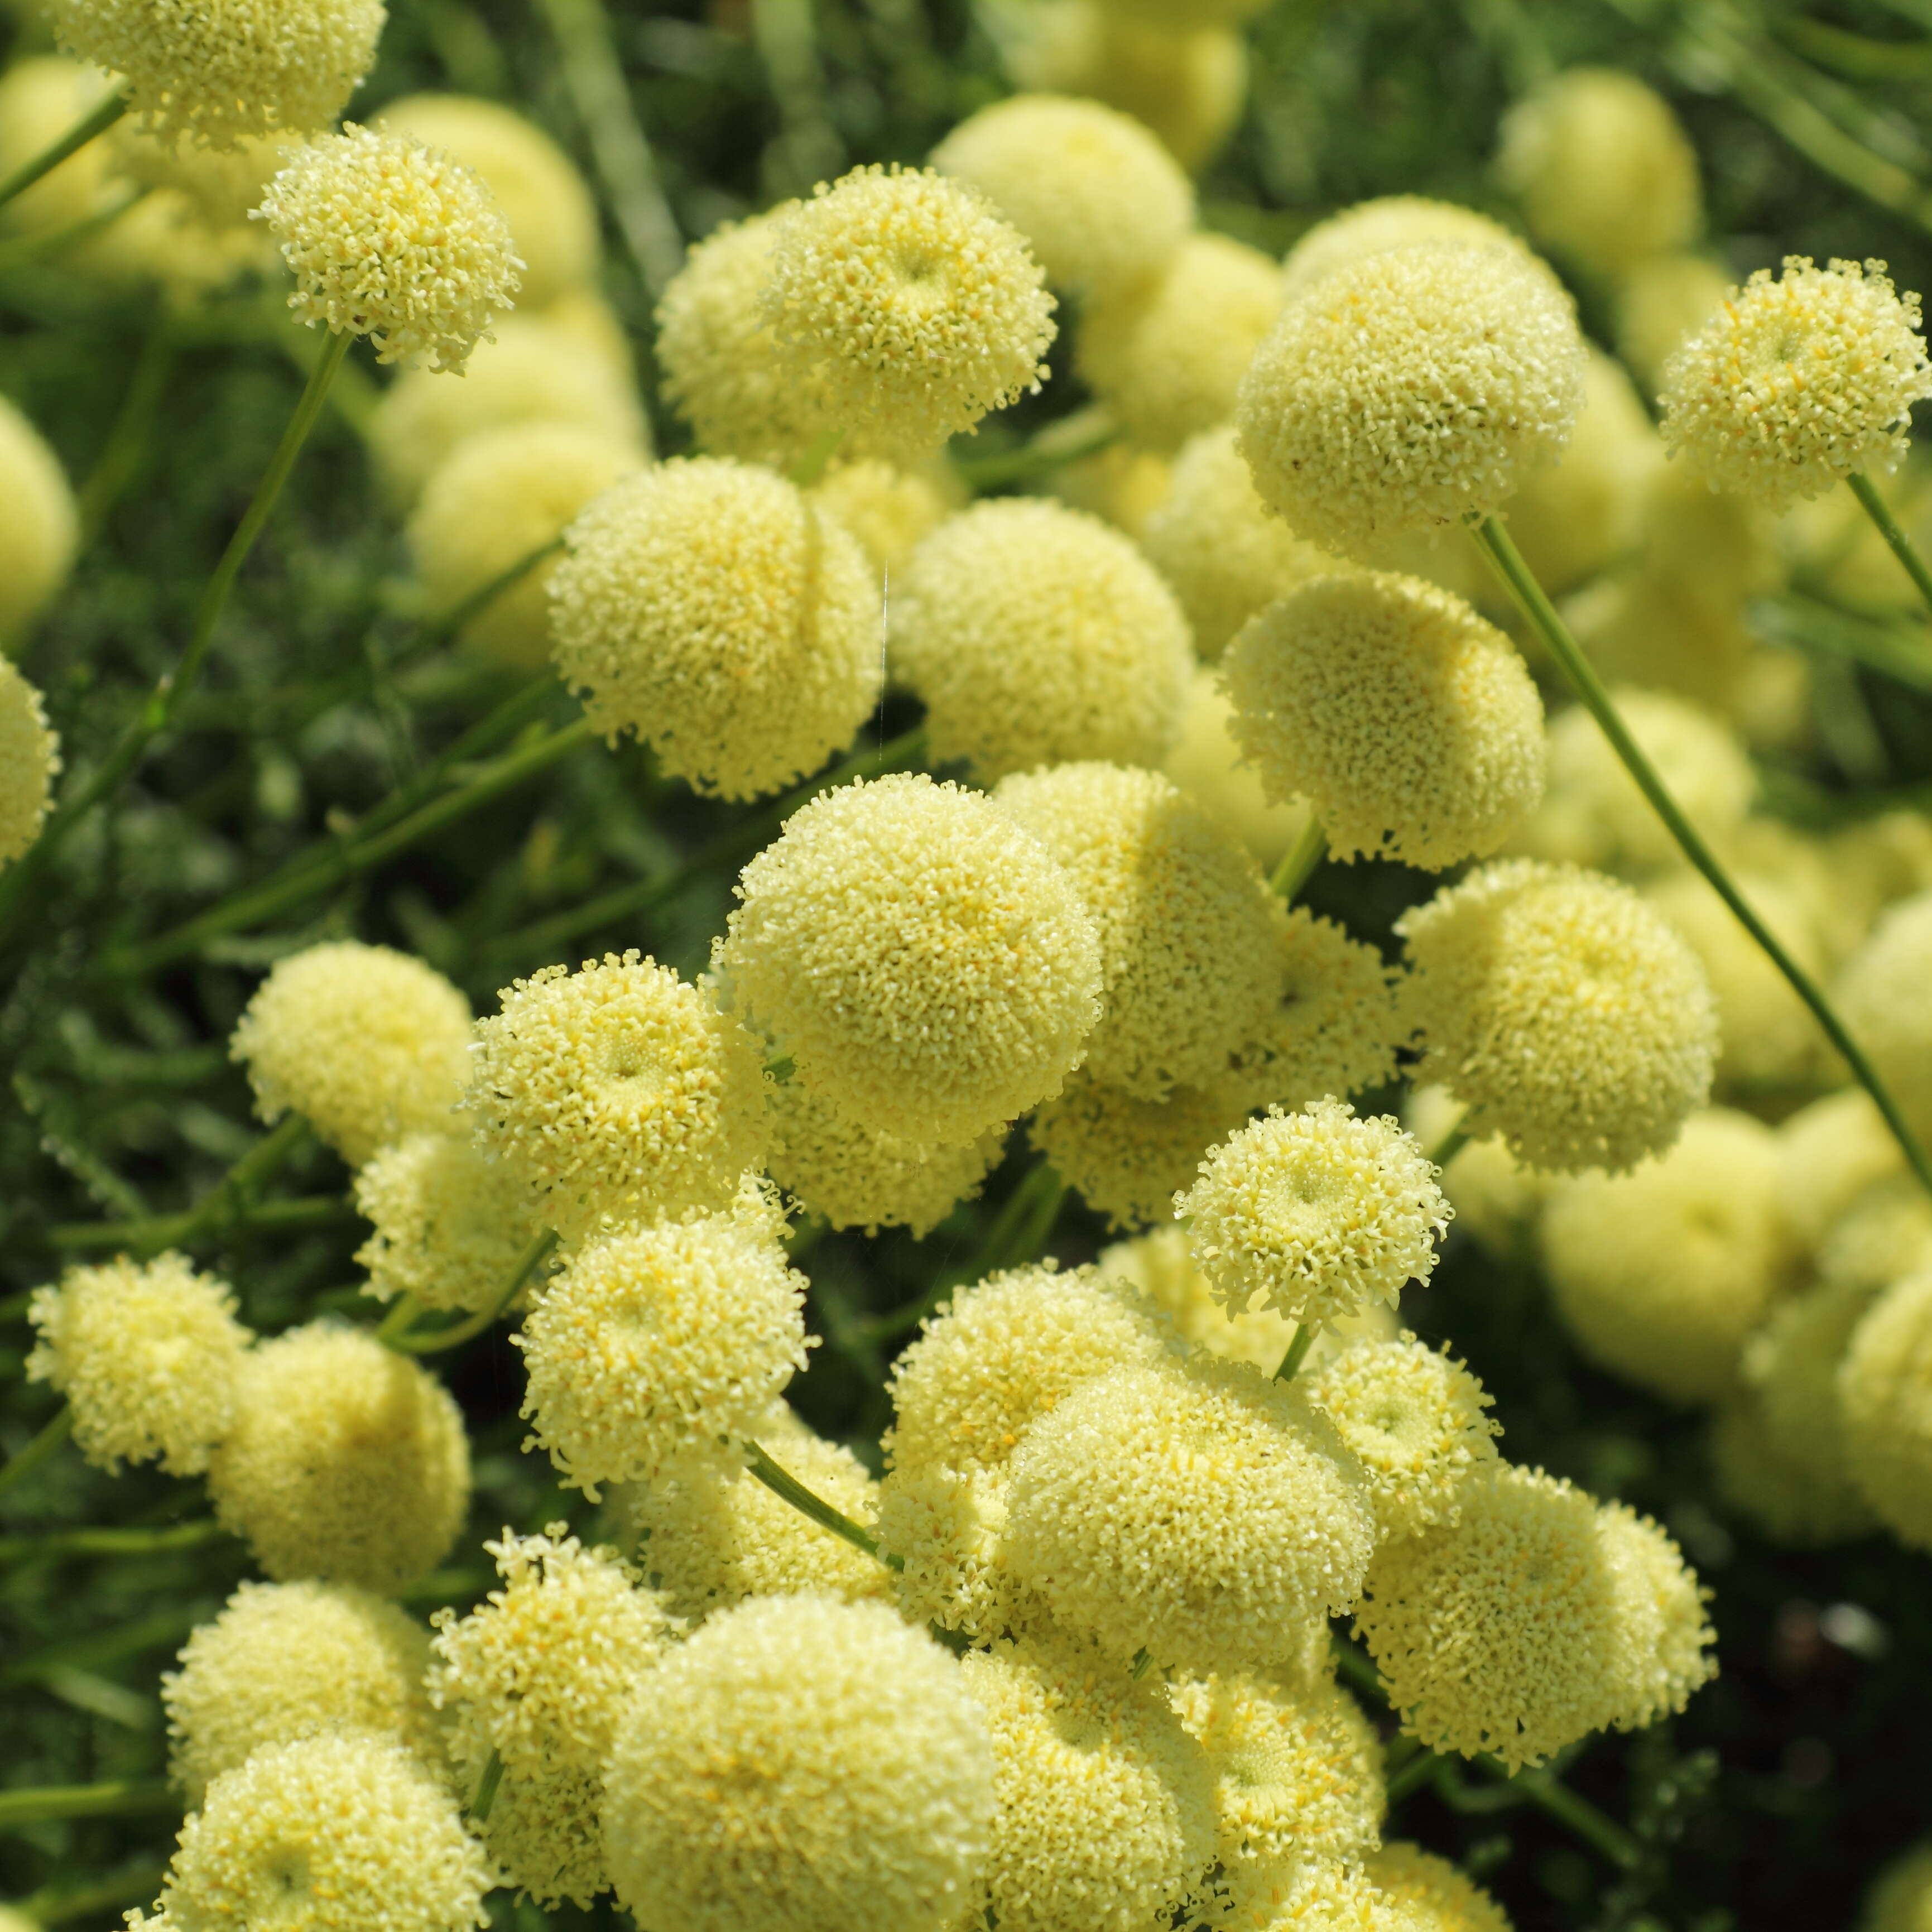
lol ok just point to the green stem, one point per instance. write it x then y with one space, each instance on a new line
159 1542
1449 1145
1901 546
486 1788
395 1325
121 456
625 902
55 1904
1517 577
533 1257
122 1798
50 244
1143 1659
1299 1345
165 700
1046 1192
1300 860
1040 458
434 631
1596 1828
218 1207
782 1482
1419 1770
98 121
817 458
37 1451
175 1231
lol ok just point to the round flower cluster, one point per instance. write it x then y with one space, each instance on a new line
1409 723
922 959
1375 227
1315 1213
37 543
389 239
903 304
1798 381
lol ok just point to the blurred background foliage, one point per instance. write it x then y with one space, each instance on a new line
1769 1804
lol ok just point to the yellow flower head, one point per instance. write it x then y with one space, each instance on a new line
1036 635
1564 1011
37 542
1374 227
1411 724
1882 995
1196 1511
391 240
801 1765
345 1462
927 966
1315 1213
286 1660
369 1044
1885 1392
906 305
663 1345
1106 1814
269 67
1099 200
150 1356
707 606
1411 390
1799 382
617 1092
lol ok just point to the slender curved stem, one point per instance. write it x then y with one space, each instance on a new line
782 1482
1299 1345
486 1788
98 121
817 459
1449 1145
175 1230
450 623
120 1798
1040 458
121 458
1517 578
1412 1776
229 1194
1900 545
44 1445
1300 860
112 1542
165 700
395 1325
1595 1827
433 1343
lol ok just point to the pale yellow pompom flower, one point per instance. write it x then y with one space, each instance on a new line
451 1225
1003 1353
1314 1213
1886 1233
1828 1153
1166 355
709 1537
549 211
536 1675
150 1356
1428 1893
1414 1419
1099 200
850 1177
906 305
1298 1771
1125 1156
943 1531
1207 764
663 1345
392 240
1662 303
1882 995
925 964
500 494
1211 537
617 1092
889 510
38 540
1603 169
1410 391
345 1462
271 67
1593 814
1197 1511
287 1660
30 760
1376 226
348 1833
1036 635
722 371
1564 1012
1798 382
1411 724
1189 932
1105 1819
706 607
367 1043
1493 1633
1660 1638
1885 1394
1662 1273
801 1765
533 370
